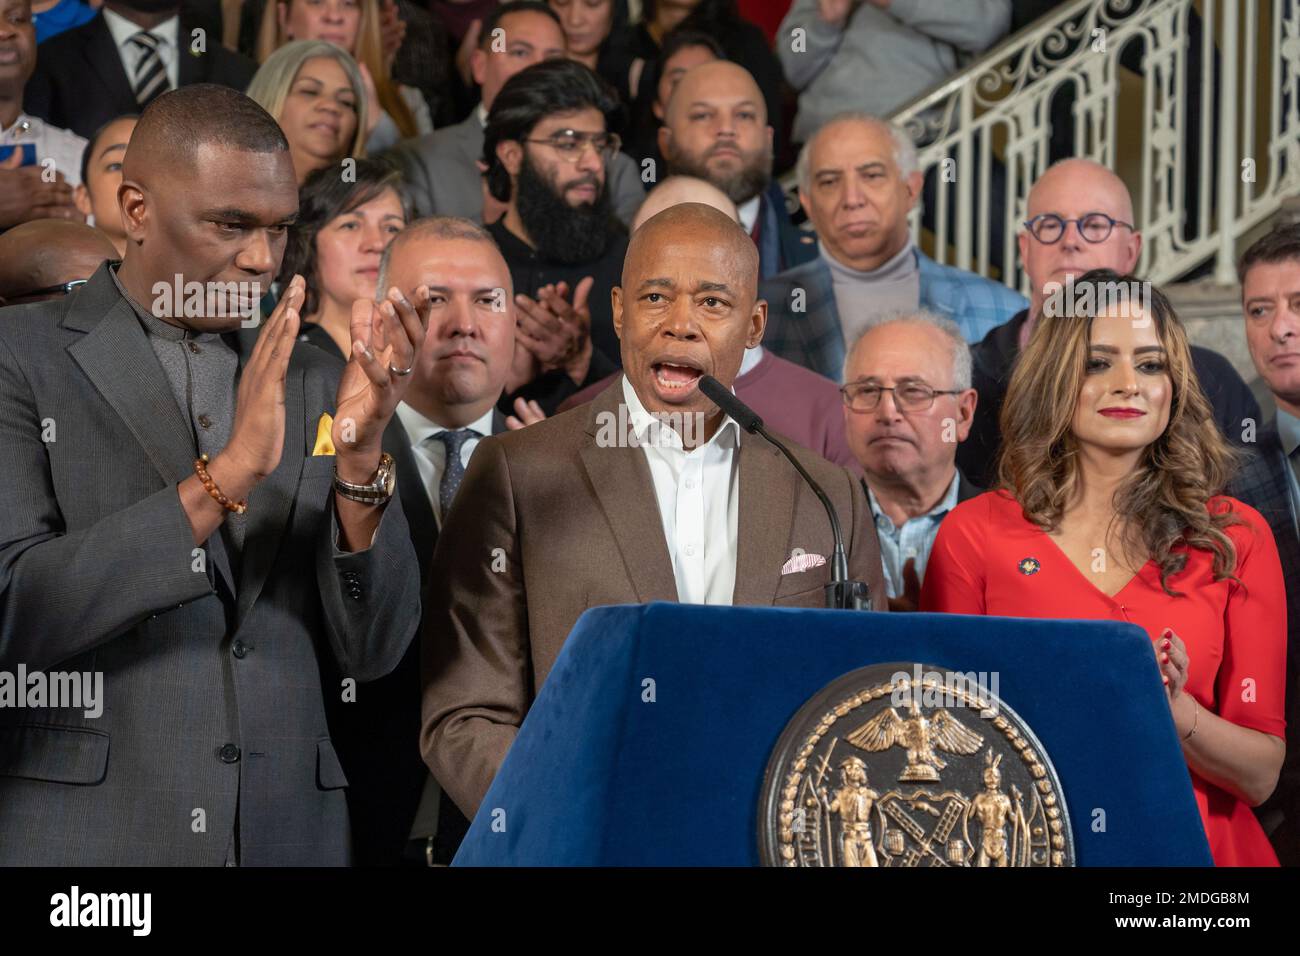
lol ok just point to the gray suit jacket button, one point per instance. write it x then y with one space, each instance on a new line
229 754
240 649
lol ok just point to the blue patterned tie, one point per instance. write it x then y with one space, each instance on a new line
453 440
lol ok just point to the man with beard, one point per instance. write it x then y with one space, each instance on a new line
546 147
716 129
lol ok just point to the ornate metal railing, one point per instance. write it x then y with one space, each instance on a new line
1170 94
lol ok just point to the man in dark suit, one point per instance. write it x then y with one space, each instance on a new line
202 544
1270 480
1056 245
398 810
634 497
908 402
130 53
716 129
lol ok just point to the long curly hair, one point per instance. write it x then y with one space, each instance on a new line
1162 505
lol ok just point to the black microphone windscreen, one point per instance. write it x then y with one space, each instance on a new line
723 397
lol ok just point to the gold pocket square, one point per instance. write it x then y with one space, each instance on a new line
324 437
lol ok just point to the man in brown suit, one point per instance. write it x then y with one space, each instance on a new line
599 506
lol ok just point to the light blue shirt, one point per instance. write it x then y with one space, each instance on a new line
913 540
1288 432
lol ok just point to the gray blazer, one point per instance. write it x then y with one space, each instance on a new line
212 693
442 178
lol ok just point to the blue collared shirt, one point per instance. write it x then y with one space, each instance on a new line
913 540
1288 432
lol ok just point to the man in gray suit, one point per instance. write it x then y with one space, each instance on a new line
441 169
201 544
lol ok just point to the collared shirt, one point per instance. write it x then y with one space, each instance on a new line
62 146
748 212
431 456
1288 432
167 32
913 540
861 295
698 496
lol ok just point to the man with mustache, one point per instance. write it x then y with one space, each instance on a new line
715 128
634 497
547 149
203 513
1269 272
398 811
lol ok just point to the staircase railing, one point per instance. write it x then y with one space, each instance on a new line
1169 93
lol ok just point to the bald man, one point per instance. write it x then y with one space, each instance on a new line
48 258
199 514
1079 217
649 474
716 128
679 189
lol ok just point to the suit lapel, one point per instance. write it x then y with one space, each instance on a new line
767 489
270 502
823 337
116 356
411 491
621 479
104 59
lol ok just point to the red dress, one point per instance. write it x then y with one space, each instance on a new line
1232 631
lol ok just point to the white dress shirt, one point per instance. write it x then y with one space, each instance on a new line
747 212
698 496
62 146
431 456
123 29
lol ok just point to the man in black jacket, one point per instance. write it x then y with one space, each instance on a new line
1270 480
131 52
1084 215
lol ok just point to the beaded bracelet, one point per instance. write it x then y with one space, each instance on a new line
210 486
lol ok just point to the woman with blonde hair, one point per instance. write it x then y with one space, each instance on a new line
315 92
1110 507
396 112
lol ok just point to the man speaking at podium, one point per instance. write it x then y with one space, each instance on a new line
647 493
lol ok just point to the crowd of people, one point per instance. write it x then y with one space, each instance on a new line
325 524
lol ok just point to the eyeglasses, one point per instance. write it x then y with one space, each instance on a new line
570 143
912 397
63 288
1048 228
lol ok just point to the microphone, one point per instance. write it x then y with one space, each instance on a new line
841 592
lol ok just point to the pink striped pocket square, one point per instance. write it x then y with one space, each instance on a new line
802 562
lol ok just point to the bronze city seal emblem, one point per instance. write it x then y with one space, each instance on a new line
910 765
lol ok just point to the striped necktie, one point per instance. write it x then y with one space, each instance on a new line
150 74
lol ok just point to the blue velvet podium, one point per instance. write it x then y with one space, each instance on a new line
600 776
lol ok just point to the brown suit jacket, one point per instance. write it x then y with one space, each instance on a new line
547 524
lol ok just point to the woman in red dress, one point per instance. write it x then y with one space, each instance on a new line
1109 507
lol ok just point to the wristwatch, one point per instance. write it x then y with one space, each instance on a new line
375 493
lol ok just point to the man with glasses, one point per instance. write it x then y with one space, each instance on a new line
546 147
1079 218
48 258
907 403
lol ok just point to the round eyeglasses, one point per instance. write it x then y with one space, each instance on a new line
1048 228
912 397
